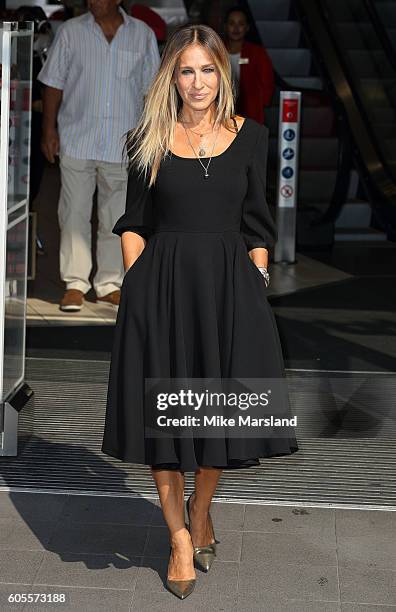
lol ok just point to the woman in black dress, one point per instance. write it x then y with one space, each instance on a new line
193 300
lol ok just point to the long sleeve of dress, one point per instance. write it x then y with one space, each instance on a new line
257 225
138 216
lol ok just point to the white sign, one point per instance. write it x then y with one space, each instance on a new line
289 137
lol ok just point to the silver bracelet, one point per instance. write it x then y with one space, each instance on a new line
265 274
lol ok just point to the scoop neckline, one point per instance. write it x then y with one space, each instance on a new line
220 154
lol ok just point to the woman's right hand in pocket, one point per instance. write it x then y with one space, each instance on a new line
133 246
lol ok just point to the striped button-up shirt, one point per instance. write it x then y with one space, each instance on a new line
103 84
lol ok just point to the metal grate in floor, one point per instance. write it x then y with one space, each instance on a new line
347 461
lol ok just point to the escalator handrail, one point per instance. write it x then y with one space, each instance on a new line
324 39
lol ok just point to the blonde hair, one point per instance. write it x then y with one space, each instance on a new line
148 143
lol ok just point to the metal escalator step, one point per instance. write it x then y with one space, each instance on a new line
279 34
270 11
305 82
291 62
358 233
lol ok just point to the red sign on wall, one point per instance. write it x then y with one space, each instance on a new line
290 111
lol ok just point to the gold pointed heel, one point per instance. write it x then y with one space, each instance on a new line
180 588
203 555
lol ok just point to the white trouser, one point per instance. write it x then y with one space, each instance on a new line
79 178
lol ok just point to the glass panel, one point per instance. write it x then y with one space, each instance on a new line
16 53
19 140
15 300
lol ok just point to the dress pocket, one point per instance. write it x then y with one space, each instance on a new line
127 61
257 272
135 263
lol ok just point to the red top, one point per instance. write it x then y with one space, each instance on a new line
155 21
256 85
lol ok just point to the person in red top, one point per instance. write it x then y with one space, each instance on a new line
252 70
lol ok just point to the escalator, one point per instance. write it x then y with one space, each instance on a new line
342 55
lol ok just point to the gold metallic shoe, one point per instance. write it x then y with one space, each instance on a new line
203 555
180 588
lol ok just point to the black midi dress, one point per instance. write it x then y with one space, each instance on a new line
194 304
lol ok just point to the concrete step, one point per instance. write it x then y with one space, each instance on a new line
279 34
291 62
268 10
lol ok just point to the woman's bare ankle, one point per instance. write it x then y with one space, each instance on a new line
180 538
181 564
200 527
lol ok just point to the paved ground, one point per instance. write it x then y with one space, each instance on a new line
111 554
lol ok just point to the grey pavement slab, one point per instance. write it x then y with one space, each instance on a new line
275 602
12 590
19 566
111 553
368 586
98 538
31 506
119 510
289 548
355 607
354 522
363 551
293 581
110 571
165 602
286 519
19 534
84 600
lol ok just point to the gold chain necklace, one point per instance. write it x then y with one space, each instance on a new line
206 175
201 150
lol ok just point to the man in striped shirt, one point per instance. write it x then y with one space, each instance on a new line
97 72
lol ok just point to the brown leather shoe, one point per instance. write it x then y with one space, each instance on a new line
111 298
72 300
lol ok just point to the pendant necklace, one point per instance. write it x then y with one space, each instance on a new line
201 151
206 175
